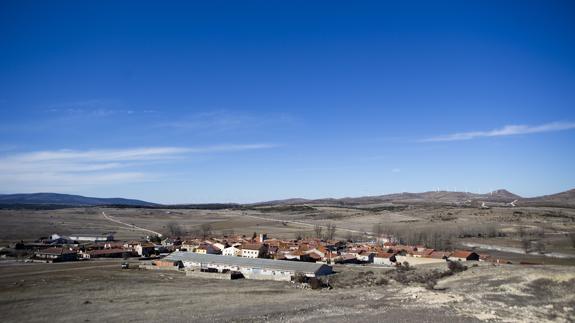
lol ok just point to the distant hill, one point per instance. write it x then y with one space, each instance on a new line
501 197
566 198
66 200
495 198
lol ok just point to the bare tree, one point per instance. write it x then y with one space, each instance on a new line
318 229
330 231
299 235
206 230
540 246
378 229
174 229
526 244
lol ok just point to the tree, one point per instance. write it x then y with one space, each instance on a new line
155 239
526 244
378 229
540 246
330 231
205 230
318 229
174 229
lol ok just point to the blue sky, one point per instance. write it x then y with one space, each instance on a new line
244 101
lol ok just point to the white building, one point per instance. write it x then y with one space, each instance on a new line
252 250
262 269
91 237
232 251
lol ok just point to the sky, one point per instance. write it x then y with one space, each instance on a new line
244 101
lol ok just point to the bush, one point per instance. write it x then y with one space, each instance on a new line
381 281
315 283
456 267
299 278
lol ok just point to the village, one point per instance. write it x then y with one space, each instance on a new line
237 256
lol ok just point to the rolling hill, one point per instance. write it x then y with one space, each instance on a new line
67 200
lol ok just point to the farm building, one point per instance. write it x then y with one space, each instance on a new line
462 255
106 253
91 237
56 255
251 268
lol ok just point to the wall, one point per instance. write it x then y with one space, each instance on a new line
414 261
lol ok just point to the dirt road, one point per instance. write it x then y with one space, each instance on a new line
130 225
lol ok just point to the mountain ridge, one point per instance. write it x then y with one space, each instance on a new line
67 200
566 198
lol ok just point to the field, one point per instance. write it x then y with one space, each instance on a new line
101 291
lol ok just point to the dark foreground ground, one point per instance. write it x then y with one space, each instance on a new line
102 292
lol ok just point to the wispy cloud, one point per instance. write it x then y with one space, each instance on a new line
223 120
79 168
95 108
509 130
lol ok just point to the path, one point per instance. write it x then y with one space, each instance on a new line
130 225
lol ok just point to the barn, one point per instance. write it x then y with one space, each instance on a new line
251 268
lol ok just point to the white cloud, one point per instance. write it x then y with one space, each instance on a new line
509 130
34 171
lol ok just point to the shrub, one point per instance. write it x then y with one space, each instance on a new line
381 281
315 283
456 266
299 278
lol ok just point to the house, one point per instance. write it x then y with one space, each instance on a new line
384 258
365 256
144 249
220 246
463 255
206 248
439 255
232 251
250 268
421 252
56 255
190 245
107 253
253 250
168 242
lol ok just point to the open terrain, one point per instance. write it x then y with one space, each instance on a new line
499 229
101 291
